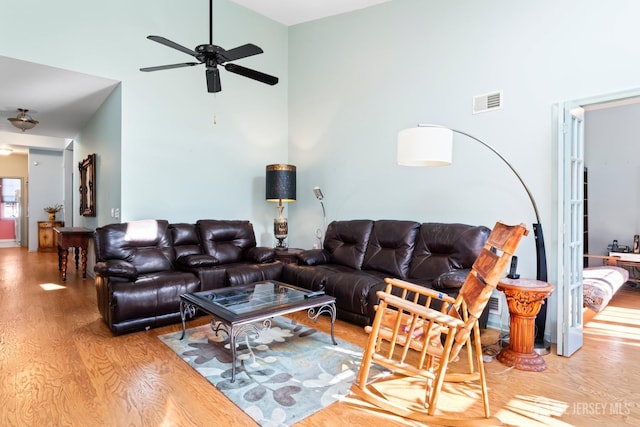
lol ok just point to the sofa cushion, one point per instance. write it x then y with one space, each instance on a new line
116 267
185 239
390 247
196 260
347 241
441 248
261 254
311 277
151 260
354 291
243 274
451 280
227 241
314 257
151 295
145 244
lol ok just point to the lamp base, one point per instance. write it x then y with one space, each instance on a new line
542 348
280 231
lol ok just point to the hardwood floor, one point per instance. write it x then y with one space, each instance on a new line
60 365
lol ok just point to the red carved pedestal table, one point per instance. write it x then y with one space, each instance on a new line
524 298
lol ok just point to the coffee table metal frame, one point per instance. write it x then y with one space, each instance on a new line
235 323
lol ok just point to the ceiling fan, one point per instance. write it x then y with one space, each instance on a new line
212 56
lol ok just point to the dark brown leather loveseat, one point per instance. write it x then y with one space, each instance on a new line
358 255
142 267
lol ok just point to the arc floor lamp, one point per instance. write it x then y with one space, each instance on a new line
432 145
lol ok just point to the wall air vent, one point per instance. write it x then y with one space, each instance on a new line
487 102
494 305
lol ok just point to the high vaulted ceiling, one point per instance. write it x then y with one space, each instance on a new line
63 101
291 12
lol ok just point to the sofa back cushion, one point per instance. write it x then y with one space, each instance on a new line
145 244
227 241
390 247
185 239
186 244
347 241
441 248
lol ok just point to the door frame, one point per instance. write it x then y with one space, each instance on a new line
20 221
562 279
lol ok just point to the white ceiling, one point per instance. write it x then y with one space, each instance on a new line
63 101
291 12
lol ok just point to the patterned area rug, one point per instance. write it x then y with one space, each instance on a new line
285 374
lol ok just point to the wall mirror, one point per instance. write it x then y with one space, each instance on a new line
88 186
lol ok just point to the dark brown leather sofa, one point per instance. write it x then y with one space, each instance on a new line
358 255
143 267
223 253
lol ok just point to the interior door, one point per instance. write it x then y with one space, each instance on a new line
571 192
10 209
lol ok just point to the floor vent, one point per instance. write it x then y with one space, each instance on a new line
494 305
487 102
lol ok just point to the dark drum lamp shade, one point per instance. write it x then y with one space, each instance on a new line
281 183
280 187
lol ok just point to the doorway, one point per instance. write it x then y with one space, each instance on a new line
10 212
570 266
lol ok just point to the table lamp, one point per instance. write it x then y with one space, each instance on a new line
281 187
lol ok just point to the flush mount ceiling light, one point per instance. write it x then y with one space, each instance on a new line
23 121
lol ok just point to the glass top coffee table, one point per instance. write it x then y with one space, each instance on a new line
236 310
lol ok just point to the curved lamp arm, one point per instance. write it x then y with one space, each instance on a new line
537 230
533 202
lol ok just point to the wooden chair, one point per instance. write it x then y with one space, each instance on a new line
405 321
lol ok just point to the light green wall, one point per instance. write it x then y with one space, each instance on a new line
101 136
45 188
359 78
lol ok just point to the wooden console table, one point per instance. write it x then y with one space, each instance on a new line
73 237
524 298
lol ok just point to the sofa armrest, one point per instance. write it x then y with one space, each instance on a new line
314 257
451 279
197 260
261 254
116 267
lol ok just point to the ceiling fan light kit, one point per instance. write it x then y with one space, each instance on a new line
23 121
212 56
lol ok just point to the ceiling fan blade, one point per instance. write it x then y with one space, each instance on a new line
242 52
173 45
252 74
167 67
213 80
